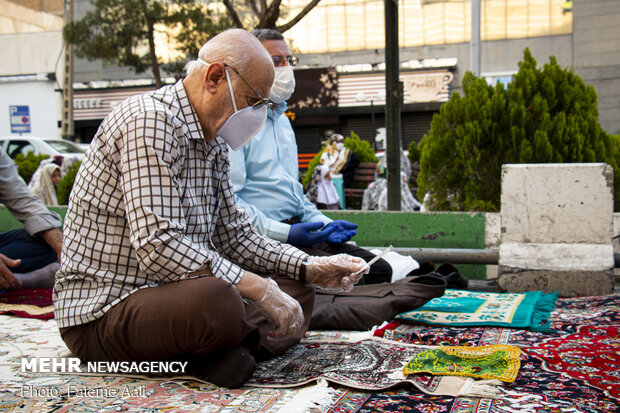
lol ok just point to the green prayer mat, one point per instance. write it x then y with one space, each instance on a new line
468 308
499 362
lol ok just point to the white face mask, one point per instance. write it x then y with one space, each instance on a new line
242 125
283 84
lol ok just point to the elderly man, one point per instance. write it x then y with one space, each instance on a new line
158 262
265 177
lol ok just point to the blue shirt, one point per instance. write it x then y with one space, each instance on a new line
265 177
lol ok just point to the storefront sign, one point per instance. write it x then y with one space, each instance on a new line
95 103
427 86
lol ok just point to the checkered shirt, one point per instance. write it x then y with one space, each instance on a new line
152 202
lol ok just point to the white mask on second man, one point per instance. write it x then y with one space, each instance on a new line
283 84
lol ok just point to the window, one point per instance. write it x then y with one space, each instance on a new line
15 147
339 25
64 146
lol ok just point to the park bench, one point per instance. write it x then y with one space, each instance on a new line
362 177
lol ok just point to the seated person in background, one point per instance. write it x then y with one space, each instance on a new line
335 155
44 184
375 196
322 191
265 178
27 256
159 263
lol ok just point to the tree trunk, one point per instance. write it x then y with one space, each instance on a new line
153 56
271 15
233 13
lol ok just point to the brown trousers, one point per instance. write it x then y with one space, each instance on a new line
184 320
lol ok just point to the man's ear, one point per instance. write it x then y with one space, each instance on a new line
215 74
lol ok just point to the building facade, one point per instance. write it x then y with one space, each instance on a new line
31 39
346 38
341 48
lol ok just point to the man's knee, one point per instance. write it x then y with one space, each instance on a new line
217 303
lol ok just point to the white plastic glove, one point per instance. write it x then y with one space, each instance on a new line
335 273
282 309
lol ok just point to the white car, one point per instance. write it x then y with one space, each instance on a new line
14 145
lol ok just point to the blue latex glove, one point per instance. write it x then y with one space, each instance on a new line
308 234
342 231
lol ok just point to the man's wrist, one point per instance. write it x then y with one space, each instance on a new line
302 271
53 237
252 286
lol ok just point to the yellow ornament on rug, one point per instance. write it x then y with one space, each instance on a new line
499 362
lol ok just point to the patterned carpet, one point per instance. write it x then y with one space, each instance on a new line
573 367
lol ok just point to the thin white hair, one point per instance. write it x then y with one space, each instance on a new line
235 47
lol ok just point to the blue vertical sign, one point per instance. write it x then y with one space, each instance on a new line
20 119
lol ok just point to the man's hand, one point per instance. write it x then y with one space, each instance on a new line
308 234
53 237
336 273
7 278
342 231
282 309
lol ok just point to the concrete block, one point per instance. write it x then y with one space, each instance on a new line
557 203
492 239
492 230
556 229
564 257
568 283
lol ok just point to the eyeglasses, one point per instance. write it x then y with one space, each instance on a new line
278 60
263 100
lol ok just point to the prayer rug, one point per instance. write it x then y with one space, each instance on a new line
499 362
28 303
468 308
372 364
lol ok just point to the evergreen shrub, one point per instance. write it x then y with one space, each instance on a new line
360 147
28 164
546 115
66 183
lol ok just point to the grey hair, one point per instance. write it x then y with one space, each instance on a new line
225 48
267 34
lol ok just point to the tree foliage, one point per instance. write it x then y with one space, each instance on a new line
361 148
196 25
66 183
264 15
543 115
123 31
414 152
28 164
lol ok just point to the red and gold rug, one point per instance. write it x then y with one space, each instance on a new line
28 303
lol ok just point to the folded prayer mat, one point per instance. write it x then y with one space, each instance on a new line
499 362
469 308
28 303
